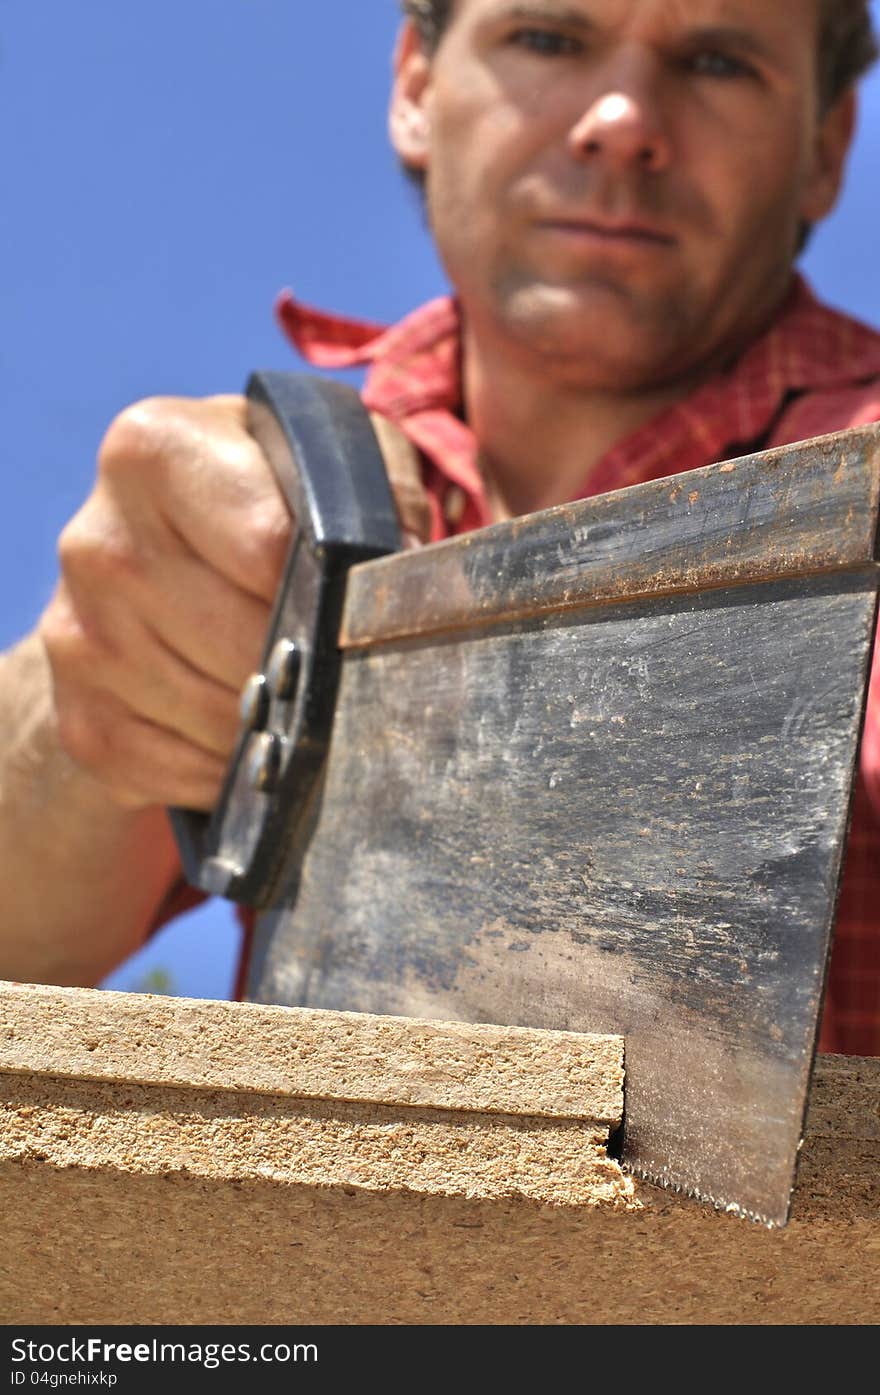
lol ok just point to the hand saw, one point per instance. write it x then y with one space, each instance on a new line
587 770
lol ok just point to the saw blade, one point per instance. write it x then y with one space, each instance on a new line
592 771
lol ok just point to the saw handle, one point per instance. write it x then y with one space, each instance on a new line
321 445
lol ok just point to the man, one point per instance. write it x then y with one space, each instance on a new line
618 190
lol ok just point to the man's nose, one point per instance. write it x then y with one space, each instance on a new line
623 128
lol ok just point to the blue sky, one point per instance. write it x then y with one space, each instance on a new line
166 169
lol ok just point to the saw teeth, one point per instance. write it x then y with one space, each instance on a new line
730 1208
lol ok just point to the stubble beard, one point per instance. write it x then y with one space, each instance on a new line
601 327
599 333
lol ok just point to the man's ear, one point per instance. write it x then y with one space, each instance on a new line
409 117
833 141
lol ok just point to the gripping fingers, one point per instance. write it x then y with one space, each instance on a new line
119 726
116 654
220 629
137 763
193 467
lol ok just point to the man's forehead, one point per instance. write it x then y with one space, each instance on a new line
673 13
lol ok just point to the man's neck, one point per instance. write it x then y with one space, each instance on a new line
541 440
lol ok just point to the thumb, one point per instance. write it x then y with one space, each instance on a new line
404 467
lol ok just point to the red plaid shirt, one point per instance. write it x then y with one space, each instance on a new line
815 371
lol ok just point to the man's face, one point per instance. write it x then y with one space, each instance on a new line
618 186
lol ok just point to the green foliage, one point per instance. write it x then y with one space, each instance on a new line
155 981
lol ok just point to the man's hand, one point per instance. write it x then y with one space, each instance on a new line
169 572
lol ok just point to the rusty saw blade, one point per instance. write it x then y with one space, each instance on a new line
588 770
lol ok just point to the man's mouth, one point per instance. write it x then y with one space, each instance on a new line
608 232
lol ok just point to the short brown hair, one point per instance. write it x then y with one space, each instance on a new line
847 44
430 18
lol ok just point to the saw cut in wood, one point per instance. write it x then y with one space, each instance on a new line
588 770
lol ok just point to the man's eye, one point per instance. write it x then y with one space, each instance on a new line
712 63
548 42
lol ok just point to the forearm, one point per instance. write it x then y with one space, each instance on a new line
81 877
126 700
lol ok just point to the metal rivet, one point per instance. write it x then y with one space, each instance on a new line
283 670
254 706
264 762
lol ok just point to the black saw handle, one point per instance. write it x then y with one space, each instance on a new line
320 442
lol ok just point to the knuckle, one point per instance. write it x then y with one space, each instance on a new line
73 543
62 647
96 548
81 654
135 435
233 406
63 636
99 743
269 527
54 625
83 737
265 535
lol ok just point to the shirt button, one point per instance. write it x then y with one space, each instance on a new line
454 505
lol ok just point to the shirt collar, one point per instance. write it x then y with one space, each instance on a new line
414 365
415 368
